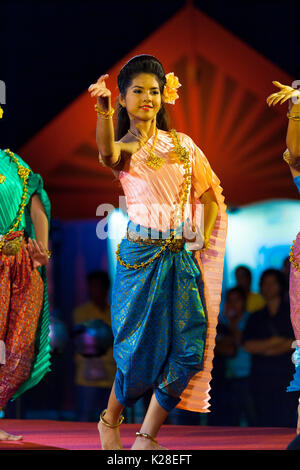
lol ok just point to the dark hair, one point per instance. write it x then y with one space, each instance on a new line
246 271
280 278
140 64
100 276
237 290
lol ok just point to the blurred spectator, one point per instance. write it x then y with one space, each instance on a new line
268 336
243 279
234 401
94 375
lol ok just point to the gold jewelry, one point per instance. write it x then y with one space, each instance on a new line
109 166
292 257
23 172
103 421
287 157
2 179
293 117
48 253
153 161
147 436
11 247
104 114
182 155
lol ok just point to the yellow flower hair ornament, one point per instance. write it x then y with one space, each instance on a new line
170 90
1 112
286 92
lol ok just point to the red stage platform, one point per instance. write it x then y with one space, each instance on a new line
48 435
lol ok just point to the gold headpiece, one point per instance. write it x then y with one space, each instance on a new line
170 89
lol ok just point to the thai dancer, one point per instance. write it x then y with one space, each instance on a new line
24 254
166 295
292 157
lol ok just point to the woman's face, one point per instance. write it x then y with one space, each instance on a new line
143 98
270 287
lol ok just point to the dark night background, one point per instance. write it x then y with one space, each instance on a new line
52 50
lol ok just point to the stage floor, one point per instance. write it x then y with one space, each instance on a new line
64 435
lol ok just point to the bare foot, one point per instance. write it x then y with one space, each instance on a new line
109 437
142 443
5 436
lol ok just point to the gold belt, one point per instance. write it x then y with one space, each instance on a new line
174 244
11 247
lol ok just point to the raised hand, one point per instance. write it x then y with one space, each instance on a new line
37 253
286 92
103 94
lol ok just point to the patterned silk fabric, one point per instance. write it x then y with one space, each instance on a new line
21 293
158 322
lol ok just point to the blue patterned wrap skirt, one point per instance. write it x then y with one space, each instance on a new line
158 321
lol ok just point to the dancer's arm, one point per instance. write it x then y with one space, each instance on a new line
293 132
293 139
210 213
110 152
37 249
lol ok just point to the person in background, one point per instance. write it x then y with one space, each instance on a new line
235 405
94 375
243 279
268 336
286 268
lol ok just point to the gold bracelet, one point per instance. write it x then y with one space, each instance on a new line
287 157
104 114
109 166
293 117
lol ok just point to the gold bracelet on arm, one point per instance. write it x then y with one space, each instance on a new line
294 117
287 157
104 114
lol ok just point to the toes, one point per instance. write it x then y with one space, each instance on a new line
4 436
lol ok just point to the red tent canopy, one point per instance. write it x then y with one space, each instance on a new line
222 106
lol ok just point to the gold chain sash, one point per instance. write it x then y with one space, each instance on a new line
23 173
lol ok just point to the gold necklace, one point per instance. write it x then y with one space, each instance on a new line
153 161
23 173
